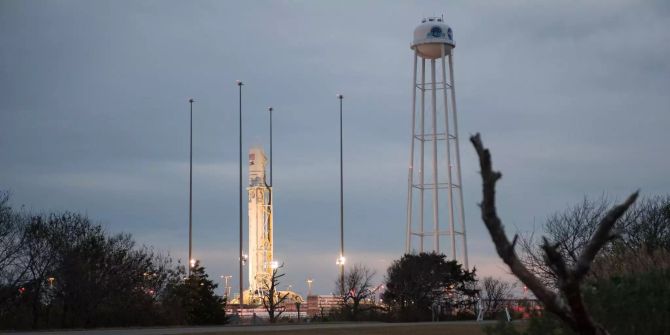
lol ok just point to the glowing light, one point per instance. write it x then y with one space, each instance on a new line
192 262
274 264
340 261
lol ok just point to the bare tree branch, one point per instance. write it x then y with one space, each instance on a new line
273 300
554 259
573 313
602 235
503 246
494 293
357 287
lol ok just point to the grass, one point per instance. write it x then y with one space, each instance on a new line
451 328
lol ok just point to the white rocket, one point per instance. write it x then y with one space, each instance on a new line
260 223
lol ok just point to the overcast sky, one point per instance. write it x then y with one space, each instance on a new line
572 97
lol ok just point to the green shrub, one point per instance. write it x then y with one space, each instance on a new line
632 304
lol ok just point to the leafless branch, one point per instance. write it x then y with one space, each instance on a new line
273 300
602 235
570 306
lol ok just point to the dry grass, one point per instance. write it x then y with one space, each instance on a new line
452 328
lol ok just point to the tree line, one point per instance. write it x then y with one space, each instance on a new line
61 270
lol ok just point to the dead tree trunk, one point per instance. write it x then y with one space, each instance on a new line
567 303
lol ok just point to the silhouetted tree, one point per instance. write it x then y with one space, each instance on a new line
357 287
60 270
417 283
644 227
196 297
273 300
494 292
568 303
13 272
648 225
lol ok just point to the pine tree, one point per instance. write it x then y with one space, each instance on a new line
198 300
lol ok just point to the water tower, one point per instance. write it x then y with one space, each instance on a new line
435 193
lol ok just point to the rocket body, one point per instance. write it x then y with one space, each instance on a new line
260 222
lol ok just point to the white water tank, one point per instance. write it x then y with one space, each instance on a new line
430 35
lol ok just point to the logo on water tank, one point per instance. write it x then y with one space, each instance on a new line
450 34
436 32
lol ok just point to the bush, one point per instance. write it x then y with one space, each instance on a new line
632 304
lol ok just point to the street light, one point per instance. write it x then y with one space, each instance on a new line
241 300
192 263
190 190
341 259
340 262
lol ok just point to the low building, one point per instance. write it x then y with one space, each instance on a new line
321 305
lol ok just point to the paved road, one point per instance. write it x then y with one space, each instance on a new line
251 329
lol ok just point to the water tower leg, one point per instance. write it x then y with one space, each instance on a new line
410 186
436 227
450 192
458 159
423 148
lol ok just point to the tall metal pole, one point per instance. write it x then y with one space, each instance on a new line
241 300
340 96
271 175
190 193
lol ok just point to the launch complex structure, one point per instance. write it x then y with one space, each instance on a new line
261 261
434 188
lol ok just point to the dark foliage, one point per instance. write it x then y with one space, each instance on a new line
196 299
60 270
635 303
417 284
